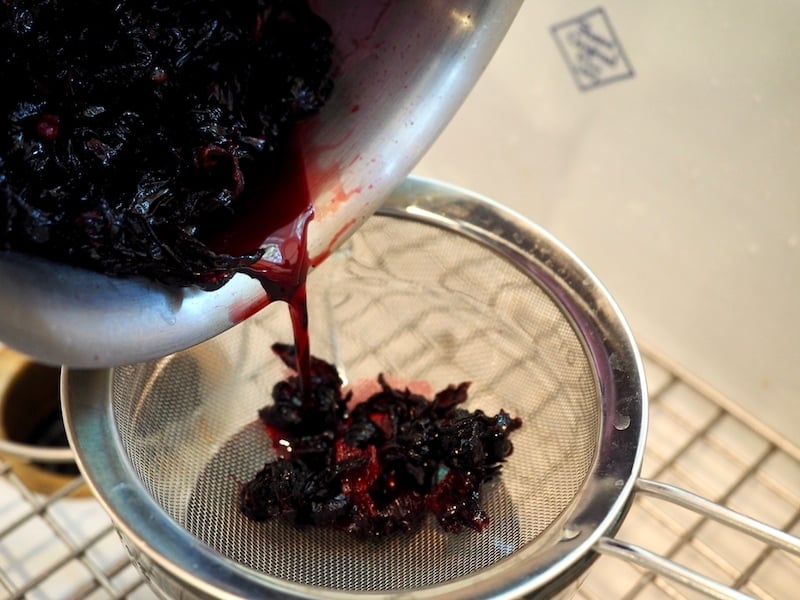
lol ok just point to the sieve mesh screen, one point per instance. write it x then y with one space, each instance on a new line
402 298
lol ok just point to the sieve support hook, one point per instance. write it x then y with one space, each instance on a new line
663 566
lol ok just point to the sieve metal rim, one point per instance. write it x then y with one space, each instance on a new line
596 511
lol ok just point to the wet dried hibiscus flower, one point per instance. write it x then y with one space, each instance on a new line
380 466
132 128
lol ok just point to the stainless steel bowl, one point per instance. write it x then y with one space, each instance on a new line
402 70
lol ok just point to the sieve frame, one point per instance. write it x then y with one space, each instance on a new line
175 560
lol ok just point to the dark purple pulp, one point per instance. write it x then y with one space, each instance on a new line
379 467
135 131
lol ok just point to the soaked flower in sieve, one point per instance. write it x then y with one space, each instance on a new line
381 467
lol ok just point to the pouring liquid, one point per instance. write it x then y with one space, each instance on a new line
274 213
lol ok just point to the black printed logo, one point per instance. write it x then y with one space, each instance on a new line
591 49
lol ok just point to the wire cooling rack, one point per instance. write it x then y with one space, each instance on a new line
60 546
700 441
63 546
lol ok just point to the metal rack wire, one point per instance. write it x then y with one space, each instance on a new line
699 441
60 546
63 546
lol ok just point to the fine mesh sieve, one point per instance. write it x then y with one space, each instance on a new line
400 299
422 295
440 287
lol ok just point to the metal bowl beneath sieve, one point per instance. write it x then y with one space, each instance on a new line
441 286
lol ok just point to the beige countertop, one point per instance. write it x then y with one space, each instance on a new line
660 141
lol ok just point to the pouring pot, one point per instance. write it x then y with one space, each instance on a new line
402 70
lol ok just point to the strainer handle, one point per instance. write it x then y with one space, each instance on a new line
668 568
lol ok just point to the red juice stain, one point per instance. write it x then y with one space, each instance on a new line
328 176
243 311
342 195
335 240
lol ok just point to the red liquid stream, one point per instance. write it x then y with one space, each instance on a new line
273 213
